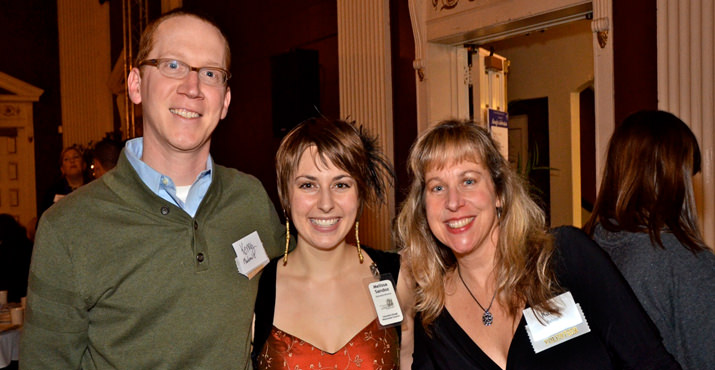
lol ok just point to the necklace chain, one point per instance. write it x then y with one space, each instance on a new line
487 317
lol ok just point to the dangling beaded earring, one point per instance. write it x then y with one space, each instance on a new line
285 254
357 240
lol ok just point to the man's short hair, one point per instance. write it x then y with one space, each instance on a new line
146 43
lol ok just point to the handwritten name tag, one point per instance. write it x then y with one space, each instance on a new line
547 330
250 255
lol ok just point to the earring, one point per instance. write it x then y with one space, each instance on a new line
499 209
357 240
285 254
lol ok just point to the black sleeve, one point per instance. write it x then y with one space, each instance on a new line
611 308
264 309
387 262
421 358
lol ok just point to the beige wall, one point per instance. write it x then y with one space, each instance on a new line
85 66
554 64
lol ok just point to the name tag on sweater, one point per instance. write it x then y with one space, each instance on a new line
547 330
251 257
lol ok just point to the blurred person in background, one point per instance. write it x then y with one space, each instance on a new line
645 218
105 155
74 174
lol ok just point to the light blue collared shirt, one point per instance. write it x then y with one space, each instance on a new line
163 185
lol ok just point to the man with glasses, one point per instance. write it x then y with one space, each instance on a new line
138 270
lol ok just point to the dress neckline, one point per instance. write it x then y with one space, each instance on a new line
371 323
474 348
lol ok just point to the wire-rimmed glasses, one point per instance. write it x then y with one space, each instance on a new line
174 68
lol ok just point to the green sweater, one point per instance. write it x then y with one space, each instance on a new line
122 279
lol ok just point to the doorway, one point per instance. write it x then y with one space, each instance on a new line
529 148
548 66
587 138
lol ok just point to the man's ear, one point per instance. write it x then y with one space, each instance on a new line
134 80
226 102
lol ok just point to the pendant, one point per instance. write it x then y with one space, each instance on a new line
487 318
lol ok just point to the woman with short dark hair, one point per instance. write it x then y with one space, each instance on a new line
313 308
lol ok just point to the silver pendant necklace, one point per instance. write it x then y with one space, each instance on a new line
487 317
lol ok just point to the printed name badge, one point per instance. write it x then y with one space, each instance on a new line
250 255
385 300
547 330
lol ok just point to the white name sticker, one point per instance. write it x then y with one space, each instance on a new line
547 330
250 255
385 300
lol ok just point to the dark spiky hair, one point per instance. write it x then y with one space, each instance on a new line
341 143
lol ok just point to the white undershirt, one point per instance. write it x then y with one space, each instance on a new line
182 192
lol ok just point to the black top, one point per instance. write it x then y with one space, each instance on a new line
60 187
387 262
15 253
621 337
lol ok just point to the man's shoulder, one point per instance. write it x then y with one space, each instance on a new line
234 178
78 207
82 195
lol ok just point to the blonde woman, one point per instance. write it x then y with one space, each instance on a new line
494 289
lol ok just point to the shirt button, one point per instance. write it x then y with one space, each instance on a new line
196 225
164 181
164 210
200 257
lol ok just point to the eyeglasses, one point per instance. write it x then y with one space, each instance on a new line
172 68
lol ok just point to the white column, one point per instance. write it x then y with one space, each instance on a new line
419 32
366 93
686 61
85 67
603 80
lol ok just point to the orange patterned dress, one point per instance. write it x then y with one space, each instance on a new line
373 347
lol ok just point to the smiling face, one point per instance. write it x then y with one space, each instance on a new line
323 202
460 204
180 114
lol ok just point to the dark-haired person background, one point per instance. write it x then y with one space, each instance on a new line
645 218
105 155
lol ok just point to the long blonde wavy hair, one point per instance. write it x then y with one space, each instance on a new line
522 261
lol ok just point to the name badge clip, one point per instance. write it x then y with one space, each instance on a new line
384 298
